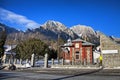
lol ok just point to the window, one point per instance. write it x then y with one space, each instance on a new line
77 56
77 52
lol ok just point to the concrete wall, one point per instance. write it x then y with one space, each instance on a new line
110 59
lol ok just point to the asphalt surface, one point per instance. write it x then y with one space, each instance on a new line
60 74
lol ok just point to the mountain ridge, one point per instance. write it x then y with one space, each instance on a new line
86 33
51 29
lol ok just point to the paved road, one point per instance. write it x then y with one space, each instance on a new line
45 75
10 75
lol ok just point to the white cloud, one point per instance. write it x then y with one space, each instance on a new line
18 19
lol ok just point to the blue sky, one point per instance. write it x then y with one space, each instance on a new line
102 15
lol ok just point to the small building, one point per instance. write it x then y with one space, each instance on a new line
78 51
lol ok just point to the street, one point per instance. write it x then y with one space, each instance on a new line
60 74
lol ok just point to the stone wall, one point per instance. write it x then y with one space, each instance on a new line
110 59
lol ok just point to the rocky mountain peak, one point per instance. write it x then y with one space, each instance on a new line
54 25
82 29
55 28
86 32
51 29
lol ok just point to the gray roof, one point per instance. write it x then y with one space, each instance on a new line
84 43
87 43
76 40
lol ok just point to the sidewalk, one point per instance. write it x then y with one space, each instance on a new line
76 66
60 71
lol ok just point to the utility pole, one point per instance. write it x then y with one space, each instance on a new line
58 48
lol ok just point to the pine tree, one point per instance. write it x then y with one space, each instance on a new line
25 49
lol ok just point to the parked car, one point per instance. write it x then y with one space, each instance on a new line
26 65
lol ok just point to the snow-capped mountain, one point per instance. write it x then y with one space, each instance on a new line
48 31
55 28
82 29
86 32
51 29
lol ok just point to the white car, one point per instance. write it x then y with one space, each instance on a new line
27 65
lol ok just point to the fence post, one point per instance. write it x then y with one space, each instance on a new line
46 61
